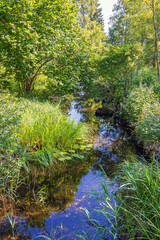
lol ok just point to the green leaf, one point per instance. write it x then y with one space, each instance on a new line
68 158
72 151
78 156
76 146
61 159
89 145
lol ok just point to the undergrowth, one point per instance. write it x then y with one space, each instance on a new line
142 112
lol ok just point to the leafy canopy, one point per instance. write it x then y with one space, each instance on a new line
32 32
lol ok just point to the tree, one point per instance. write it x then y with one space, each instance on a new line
156 35
118 67
89 10
91 21
118 32
98 15
32 34
144 19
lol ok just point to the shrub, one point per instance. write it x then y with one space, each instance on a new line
147 77
136 101
149 127
142 111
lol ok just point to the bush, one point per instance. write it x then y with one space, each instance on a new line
149 127
136 102
147 77
142 111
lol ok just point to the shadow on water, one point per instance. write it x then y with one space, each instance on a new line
64 190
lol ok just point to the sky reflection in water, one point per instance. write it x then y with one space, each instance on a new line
110 148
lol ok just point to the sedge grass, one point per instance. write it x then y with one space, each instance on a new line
141 199
133 211
44 126
33 136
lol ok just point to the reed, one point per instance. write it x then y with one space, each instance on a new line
141 198
133 211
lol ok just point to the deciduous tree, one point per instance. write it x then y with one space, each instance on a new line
32 33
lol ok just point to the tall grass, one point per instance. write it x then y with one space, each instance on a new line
141 199
44 126
11 152
133 212
33 136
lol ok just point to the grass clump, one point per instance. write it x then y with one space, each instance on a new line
141 198
35 138
44 126
11 152
30 128
133 211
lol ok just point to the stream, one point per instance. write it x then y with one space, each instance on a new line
69 190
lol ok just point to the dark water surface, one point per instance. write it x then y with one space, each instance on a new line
68 190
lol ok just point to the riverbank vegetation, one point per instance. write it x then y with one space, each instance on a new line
36 139
53 49
132 212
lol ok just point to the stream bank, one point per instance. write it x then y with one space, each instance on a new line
144 148
66 189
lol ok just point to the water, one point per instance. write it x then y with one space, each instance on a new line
67 191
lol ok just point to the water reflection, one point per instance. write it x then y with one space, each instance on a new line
62 192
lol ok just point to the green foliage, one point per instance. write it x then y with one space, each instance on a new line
70 69
90 11
36 40
147 77
136 102
32 34
39 131
118 67
44 126
10 113
11 152
142 111
92 104
149 128
141 204
36 138
118 32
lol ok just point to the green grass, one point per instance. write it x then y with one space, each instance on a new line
35 126
34 137
141 198
133 211
44 126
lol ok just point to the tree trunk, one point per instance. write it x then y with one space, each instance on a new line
28 86
156 37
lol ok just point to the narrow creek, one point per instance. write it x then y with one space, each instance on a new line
63 214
